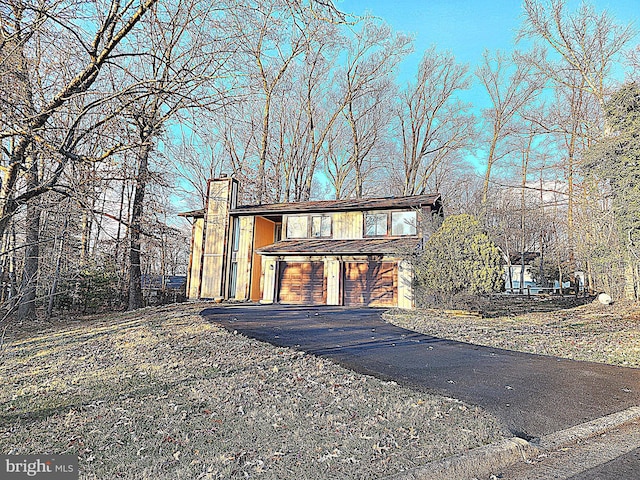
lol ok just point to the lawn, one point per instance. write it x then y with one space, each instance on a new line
590 332
163 394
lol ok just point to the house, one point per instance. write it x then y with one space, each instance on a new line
334 252
515 273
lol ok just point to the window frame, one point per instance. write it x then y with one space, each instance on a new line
388 214
304 232
405 223
376 214
326 224
322 218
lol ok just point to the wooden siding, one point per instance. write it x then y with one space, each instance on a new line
268 279
264 234
217 225
243 258
332 267
347 225
195 260
405 285
370 284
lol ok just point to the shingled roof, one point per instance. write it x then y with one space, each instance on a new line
431 200
373 246
352 204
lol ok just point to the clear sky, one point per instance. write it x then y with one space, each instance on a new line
465 27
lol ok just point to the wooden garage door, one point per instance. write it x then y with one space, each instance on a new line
373 284
302 283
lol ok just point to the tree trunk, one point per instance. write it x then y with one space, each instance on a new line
135 270
56 277
27 302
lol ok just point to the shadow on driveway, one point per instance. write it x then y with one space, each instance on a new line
533 394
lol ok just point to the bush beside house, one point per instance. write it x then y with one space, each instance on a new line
459 260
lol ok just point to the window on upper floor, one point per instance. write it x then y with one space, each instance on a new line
298 226
320 226
404 223
309 226
375 224
397 224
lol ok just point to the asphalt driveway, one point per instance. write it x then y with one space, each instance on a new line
533 394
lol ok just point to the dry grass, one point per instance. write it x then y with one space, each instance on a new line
162 394
591 332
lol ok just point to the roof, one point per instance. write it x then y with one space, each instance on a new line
351 204
193 213
529 258
341 247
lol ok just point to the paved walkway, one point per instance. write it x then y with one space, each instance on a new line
534 395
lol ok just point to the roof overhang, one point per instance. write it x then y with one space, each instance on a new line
193 213
432 201
368 246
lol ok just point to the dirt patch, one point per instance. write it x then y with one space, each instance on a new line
589 332
162 394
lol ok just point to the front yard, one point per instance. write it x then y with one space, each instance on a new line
163 394
590 332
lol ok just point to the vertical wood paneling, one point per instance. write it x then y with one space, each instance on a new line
264 231
195 261
269 283
332 267
217 221
405 285
243 257
347 225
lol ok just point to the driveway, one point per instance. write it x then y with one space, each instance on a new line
534 395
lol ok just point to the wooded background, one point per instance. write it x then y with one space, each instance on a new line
114 115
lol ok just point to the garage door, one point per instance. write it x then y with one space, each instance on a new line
371 283
302 283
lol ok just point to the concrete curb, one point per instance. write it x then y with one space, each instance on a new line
490 459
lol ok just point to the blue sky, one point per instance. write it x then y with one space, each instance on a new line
465 27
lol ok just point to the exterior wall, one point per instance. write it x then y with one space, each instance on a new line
269 283
221 195
264 234
515 276
332 271
243 258
347 225
405 285
195 260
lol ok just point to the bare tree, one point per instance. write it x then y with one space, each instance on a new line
372 56
433 123
24 23
177 71
510 86
585 42
576 51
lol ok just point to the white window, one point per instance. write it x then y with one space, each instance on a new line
297 226
403 223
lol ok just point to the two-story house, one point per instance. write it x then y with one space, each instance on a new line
334 252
